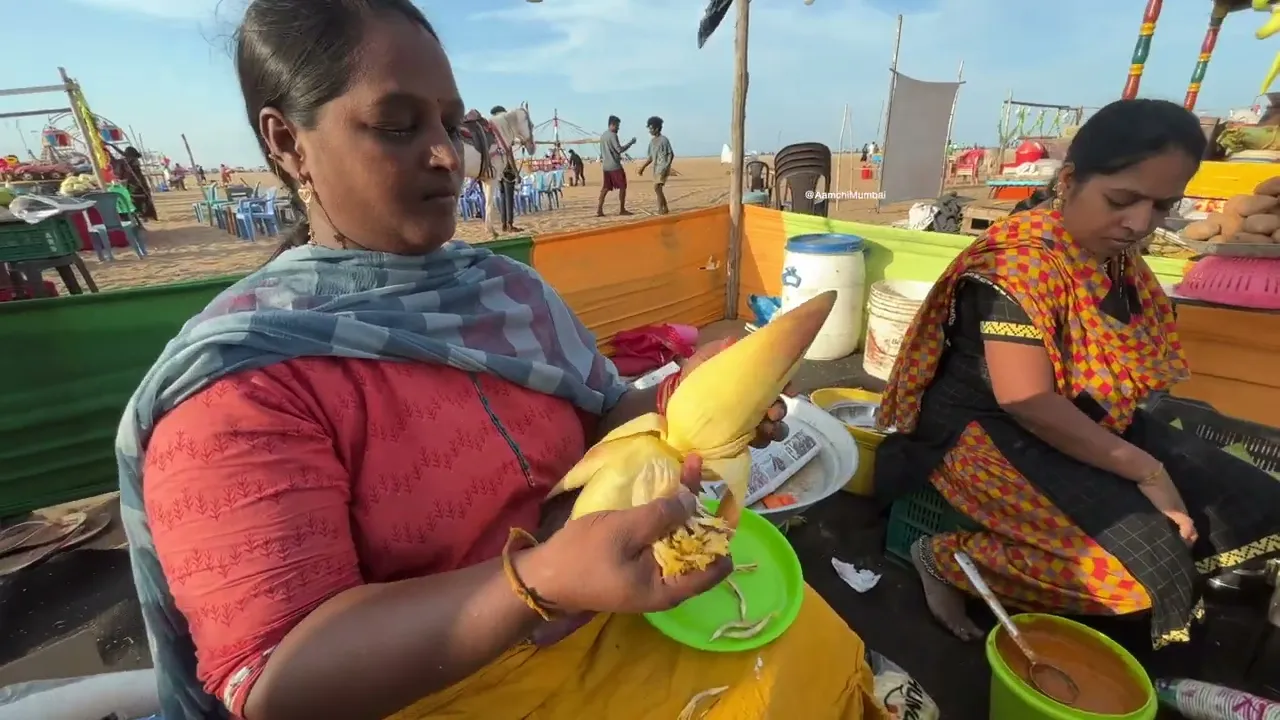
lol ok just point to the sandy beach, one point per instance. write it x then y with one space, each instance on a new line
183 249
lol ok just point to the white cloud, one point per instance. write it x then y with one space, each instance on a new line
201 10
598 46
619 46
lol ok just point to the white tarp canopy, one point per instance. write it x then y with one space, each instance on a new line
726 156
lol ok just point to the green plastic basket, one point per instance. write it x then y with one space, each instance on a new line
921 514
54 237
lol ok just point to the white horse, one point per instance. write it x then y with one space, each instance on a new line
512 128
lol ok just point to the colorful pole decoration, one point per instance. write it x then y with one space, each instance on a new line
89 129
1206 51
1142 49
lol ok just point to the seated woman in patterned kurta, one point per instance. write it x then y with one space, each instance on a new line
1016 395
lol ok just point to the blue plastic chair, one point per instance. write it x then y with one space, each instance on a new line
471 201
100 235
540 186
264 213
244 221
557 185
254 213
527 199
551 189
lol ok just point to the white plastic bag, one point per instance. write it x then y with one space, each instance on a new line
32 209
129 694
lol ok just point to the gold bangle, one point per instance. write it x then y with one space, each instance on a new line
1157 474
526 594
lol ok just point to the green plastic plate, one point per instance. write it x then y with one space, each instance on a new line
775 586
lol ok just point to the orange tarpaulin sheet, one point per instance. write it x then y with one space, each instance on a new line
764 242
668 269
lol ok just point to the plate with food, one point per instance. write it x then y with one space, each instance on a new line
750 609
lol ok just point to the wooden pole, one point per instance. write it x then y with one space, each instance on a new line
951 121
737 146
190 158
996 162
1206 52
88 131
1142 49
844 123
888 112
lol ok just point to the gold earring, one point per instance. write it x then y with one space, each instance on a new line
1056 203
307 195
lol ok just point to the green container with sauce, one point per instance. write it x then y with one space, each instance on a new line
1013 699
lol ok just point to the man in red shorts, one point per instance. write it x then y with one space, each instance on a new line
615 178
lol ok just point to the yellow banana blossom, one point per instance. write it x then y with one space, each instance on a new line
713 413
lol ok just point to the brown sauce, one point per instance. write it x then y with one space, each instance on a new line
1107 685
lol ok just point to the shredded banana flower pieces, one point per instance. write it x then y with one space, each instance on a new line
692 707
703 540
742 599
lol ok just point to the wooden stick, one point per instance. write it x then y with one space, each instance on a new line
737 147
951 121
190 158
888 112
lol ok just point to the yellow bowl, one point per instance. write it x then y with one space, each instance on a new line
868 440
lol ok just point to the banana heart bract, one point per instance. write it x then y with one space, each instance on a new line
713 413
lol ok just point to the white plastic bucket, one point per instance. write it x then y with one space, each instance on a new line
890 309
814 264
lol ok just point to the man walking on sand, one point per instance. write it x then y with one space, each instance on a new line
615 178
660 156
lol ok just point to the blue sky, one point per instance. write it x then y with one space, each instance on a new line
162 67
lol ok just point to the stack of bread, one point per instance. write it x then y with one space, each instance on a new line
1245 219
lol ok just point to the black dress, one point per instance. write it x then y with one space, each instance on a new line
1235 506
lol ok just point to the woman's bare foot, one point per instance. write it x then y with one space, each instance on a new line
944 601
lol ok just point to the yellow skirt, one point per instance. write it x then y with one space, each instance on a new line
619 667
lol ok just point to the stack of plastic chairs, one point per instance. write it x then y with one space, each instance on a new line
527 199
204 208
540 186
554 187
253 213
797 170
471 201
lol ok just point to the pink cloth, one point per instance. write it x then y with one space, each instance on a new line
637 352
